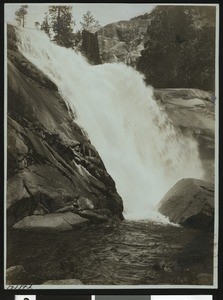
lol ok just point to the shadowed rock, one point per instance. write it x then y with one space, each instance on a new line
190 202
52 165
59 222
90 47
123 41
14 273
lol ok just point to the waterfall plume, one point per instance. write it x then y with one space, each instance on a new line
141 149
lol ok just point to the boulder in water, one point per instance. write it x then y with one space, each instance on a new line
190 202
14 273
55 221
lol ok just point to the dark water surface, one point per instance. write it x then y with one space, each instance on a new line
125 253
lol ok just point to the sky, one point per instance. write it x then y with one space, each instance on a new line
105 13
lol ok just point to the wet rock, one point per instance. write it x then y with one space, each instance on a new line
190 202
63 282
23 64
30 70
51 161
56 222
94 216
193 113
85 203
90 47
14 273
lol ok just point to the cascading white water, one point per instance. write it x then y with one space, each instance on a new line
140 148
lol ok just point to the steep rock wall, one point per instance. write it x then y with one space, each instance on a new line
192 111
52 167
90 47
123 41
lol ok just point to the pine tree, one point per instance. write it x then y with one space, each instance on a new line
45 26
182 40
89 21
62 25
21 14
37 25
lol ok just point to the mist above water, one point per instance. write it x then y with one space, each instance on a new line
141 149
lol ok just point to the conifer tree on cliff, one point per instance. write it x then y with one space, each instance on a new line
62 25
89 21
45 26
37 25
21 14
182 40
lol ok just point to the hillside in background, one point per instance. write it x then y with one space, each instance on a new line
123 41
173 46
180 50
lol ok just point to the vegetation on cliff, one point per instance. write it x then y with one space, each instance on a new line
180 50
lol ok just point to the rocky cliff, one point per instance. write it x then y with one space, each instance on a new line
173 46
55 177
123 41
192 111
90 47
180 48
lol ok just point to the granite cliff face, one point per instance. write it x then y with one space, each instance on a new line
172 46
90 47
55 177
192 111
123 41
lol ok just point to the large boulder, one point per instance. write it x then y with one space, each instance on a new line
56 221
15 273
190 202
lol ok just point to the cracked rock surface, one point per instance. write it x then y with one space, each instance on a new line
53 170
190 202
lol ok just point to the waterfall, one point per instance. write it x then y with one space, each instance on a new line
141 149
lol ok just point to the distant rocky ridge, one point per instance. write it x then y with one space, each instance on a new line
121 41
174 47
56 179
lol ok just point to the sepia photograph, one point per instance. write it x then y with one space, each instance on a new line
111 146
181 297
